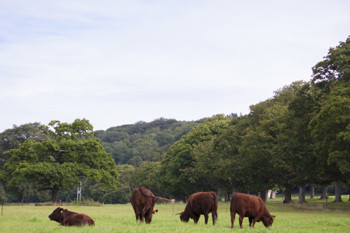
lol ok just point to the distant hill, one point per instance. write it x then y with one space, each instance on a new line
132 144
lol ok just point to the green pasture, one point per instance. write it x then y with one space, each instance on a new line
310 217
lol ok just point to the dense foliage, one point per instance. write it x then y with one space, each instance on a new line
133 144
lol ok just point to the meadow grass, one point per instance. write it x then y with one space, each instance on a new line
310 217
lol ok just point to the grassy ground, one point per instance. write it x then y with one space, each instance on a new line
310 217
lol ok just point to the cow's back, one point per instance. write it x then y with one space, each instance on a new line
247 204
137 200
202 201
77 219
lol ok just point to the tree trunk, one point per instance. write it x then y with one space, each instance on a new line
219 194
54 195
288 194
338 191
312 190
20 198
302 194
324 192
263 195
228 196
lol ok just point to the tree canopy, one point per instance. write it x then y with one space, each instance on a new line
70 154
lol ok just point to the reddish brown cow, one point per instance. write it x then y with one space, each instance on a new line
249 206
143 202
68 218
200 203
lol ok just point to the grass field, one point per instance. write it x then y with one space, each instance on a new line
310 217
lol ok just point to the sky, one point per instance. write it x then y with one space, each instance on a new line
117 62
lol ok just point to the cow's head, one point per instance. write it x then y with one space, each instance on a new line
148 217
268 220
57 215
184 217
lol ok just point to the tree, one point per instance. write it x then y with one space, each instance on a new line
330 129
147 175
11 139
329 76
177 167
70 154
334 67
292 156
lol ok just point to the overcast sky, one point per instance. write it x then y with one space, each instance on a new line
118 62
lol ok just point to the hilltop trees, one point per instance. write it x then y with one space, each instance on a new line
68 155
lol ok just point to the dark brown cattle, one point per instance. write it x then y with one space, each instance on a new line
143 202
249 206
68 218
200 203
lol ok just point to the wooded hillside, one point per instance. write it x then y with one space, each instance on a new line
142 141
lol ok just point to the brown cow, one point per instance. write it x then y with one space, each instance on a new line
249 206
143 202
68 218
200 203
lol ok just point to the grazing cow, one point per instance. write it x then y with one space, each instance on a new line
200 203
143 202
249 206
68 218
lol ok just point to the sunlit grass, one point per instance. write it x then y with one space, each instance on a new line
310 217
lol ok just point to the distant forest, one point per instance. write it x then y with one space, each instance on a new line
144 142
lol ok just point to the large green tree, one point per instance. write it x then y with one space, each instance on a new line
334 67
292 156
11 139
178 171
70 154
328 76
330 129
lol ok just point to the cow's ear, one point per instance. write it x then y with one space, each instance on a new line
61 211
155 211
273 216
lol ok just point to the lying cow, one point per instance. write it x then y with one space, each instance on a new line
200 203
249 206
68 218
143 202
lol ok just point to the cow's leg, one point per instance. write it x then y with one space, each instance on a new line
233 215
213 217
196 218
142 216
250 221
206 217
241 216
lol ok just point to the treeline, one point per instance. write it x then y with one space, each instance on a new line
298 137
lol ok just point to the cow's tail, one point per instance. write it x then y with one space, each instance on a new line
162 199
215 205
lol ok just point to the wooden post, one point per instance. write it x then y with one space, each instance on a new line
173 207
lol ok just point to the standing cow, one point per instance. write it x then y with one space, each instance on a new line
143 202
68 218
200 203
249 206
